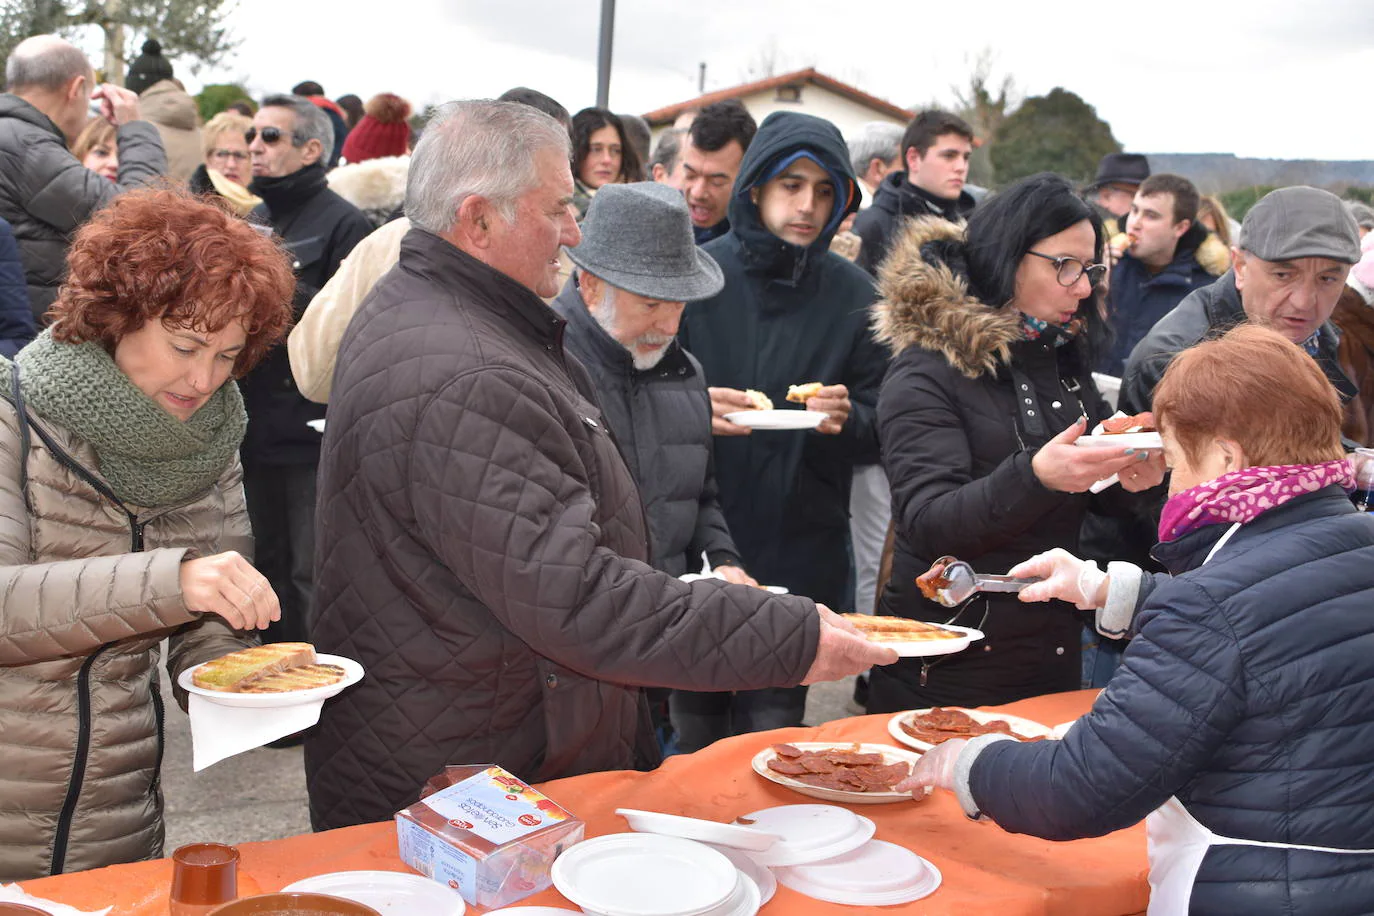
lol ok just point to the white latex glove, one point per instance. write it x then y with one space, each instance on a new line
935 769
1080 582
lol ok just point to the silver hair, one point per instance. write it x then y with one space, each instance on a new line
874 140
478 149
668 149
44 62
311 121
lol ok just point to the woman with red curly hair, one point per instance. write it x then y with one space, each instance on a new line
122 517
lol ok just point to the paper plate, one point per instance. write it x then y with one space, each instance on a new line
1019 725
777 419
751 868
875 874
353 673
1121 440
532 911
810 833
387 892
924 648
316 425
692 577
692 828
890 755
644 874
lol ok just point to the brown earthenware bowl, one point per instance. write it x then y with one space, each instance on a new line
294 904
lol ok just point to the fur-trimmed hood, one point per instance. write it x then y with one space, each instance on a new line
375 186
925 304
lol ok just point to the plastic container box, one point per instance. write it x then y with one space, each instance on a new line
486 834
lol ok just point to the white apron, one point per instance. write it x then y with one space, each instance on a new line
1176 842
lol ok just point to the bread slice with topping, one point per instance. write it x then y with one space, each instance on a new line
231 672
303 677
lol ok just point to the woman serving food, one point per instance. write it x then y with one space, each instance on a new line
122 519
1241 723
994 330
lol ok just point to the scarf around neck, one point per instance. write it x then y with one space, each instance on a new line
1032 328
1243 495
149 457
285 193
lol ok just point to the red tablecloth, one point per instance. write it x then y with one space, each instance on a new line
986 869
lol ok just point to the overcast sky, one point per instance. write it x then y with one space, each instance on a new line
1265 78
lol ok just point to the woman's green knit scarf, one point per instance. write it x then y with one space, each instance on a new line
149 457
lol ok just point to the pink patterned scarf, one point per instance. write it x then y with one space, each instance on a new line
1240 496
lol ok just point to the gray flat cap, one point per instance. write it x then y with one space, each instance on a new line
638 237
1300 222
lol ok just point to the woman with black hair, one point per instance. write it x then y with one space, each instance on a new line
994 329
602 154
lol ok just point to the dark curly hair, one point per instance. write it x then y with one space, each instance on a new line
587 122
161 254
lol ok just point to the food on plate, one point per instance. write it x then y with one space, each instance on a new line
233 672
1120 424
836 768
798 394
302 677
761 400
898 629
934 580
940 725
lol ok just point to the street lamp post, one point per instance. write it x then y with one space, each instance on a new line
603 57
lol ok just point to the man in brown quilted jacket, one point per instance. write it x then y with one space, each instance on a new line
482 547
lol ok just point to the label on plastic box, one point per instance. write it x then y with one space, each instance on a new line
495 806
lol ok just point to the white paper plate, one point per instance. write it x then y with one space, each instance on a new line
316 425
777 419
890 755
810 833
751 868
353 673
693 828
1019 725
532 911
644 874
924 648
875 874
387 892
692 577
1121 440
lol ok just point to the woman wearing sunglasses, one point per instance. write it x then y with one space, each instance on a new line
994 330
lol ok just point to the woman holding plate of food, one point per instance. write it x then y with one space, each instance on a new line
994 329
1240 725
122 518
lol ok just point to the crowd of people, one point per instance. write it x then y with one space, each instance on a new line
503 429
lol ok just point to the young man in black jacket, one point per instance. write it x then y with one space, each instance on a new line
288 142
935 150
791 313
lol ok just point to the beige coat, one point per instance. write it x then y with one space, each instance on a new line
80 621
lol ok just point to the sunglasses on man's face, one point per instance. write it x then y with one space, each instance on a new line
270 135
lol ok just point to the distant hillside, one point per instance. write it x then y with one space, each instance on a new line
1217 173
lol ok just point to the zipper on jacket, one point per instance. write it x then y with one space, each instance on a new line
78 773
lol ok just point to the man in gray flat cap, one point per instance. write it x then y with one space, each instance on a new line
1296 247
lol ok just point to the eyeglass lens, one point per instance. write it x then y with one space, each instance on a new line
1070 269
223 154
270 135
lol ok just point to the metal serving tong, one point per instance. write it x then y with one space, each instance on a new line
957 582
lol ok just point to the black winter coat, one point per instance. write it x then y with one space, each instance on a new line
319 228
963 410
1247 692
16 319
896 201
661 418
45 194
481 553
787 316
1209 312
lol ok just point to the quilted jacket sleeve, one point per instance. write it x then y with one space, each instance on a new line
501 493
209 636
48 610
939 506
61 192
1160 720
314 342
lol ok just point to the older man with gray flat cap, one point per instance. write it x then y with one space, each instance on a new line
1297 246
482 546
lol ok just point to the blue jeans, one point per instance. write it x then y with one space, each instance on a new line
1101 658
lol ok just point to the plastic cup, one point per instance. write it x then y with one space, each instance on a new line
204 876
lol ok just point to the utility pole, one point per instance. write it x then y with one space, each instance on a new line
603 57
701 78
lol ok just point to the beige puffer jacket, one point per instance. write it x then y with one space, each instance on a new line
82 609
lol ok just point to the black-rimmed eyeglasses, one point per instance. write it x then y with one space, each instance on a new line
1067 270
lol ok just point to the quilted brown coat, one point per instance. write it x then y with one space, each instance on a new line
83 607
482 551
